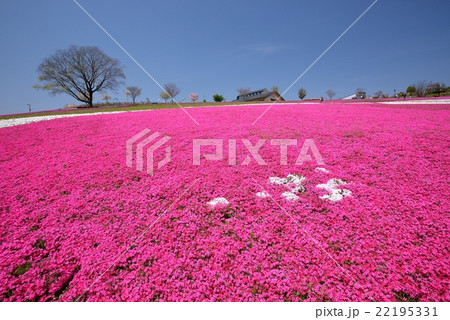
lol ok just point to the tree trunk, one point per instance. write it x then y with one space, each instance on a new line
91 98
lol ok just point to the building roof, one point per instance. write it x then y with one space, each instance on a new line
255 95
357 95
353 95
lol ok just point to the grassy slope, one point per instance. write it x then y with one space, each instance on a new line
184 105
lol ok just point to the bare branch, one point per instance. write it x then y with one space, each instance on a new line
421 88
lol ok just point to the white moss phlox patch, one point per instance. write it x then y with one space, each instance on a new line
334 193
277 180
290 178
218 201
289 196
320 169
337 195
262 194
331 184
293 182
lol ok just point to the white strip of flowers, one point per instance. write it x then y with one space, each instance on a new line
18 121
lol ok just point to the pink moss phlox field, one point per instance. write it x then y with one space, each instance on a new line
70 206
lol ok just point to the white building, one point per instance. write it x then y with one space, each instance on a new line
357 95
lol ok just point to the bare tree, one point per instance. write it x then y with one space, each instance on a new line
378 94
106 97
422 88
243 91
172 90
330 93
164 95
301 93
134 92
79 72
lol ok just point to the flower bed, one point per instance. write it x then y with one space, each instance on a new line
370 224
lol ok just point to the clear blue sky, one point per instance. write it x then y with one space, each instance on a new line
210 46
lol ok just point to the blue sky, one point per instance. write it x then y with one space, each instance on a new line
213 46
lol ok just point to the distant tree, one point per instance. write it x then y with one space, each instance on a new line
275 89
422 88
378 94
411 90
301 93
106 97
164 95
134 92
79 72
193 97
218 98
172 90
436 88
243 91
330 93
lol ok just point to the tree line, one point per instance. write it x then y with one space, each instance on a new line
82 71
